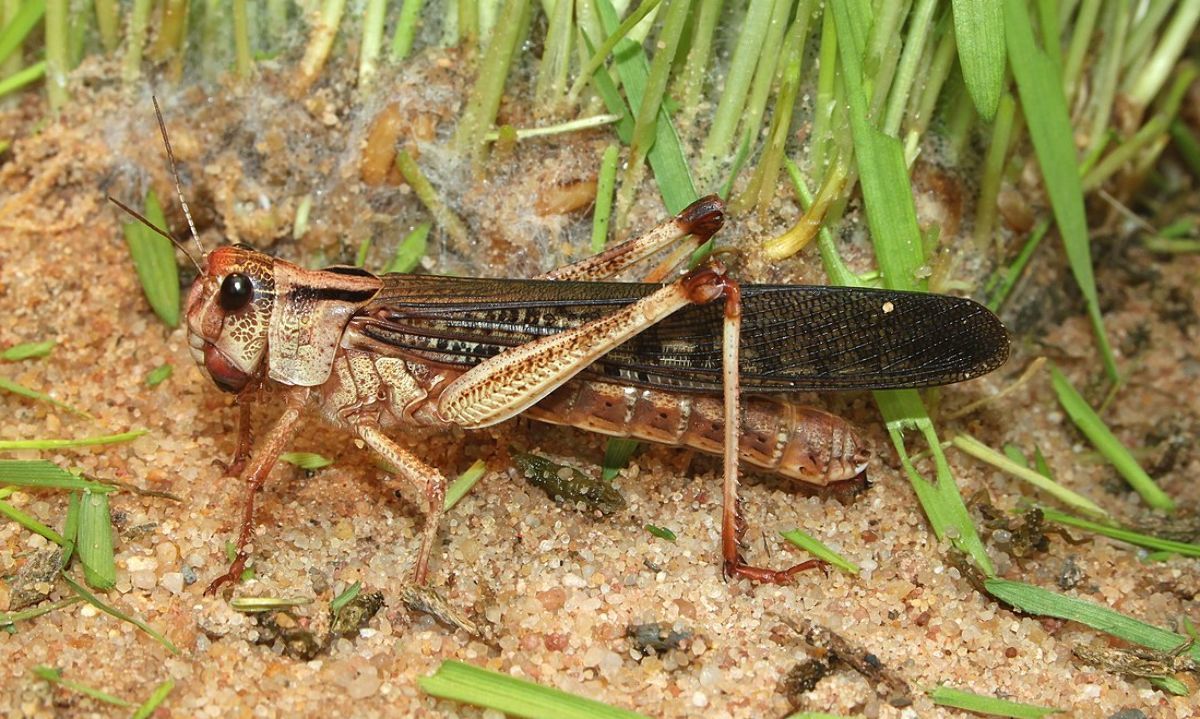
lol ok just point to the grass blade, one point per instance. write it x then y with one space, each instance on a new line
617 453
158 375
406 28
345 597
306 460
22 77
666 157
979 30
463 484
1099 434
27 350
253 605
114 612
31 523
980 704
1183 549
660 532
54 676
816 548
473 685
446 219
20 389
604 197
411 250
94 541
981 451
15 32
154 259
43 474
157 697
1039 85
1036 600
8 619
13 444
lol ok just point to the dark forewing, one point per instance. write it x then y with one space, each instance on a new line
794 337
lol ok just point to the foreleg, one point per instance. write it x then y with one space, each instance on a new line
276 440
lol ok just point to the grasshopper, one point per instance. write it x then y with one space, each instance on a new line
664 361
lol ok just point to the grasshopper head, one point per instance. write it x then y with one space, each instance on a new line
228 314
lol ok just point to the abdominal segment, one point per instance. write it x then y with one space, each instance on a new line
778 436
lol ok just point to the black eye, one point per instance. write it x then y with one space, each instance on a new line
236 292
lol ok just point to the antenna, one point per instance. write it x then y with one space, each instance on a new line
162 126
182 247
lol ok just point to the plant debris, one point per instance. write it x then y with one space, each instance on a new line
567 484
1022 535
1138 661
427 601
834 649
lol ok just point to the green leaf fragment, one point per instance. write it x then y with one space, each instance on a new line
1036 600
345 597
306 460
617 453
54 676
959 699
154 259
1102 437
979 33
464 482
43 474
20 389
473 685
158 375
94 541
411 250
13 444
661 532
27 350
157 697
816 548
113 611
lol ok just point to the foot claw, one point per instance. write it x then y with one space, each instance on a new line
772 576
233 575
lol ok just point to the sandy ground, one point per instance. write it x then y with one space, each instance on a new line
554 587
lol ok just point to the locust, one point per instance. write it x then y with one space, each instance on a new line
694 359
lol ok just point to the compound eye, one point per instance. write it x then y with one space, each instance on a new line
236 292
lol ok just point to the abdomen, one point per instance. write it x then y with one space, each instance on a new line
778 436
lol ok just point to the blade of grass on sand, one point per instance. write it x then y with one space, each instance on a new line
43 474
8 385
113 611
979 32
484 688
1159 544
28 521
981 451
1039 85
1099 434
94 541
27 350
158 375
253 605
14 444
891 216
1036 600
981 704
8 619
816 548
617 453
157 697
54 676
345 597
71 528
306 460
460 486
154 259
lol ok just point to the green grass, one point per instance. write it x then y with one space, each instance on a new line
991 706
516 697
464 482
306 460
154 259
816 548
